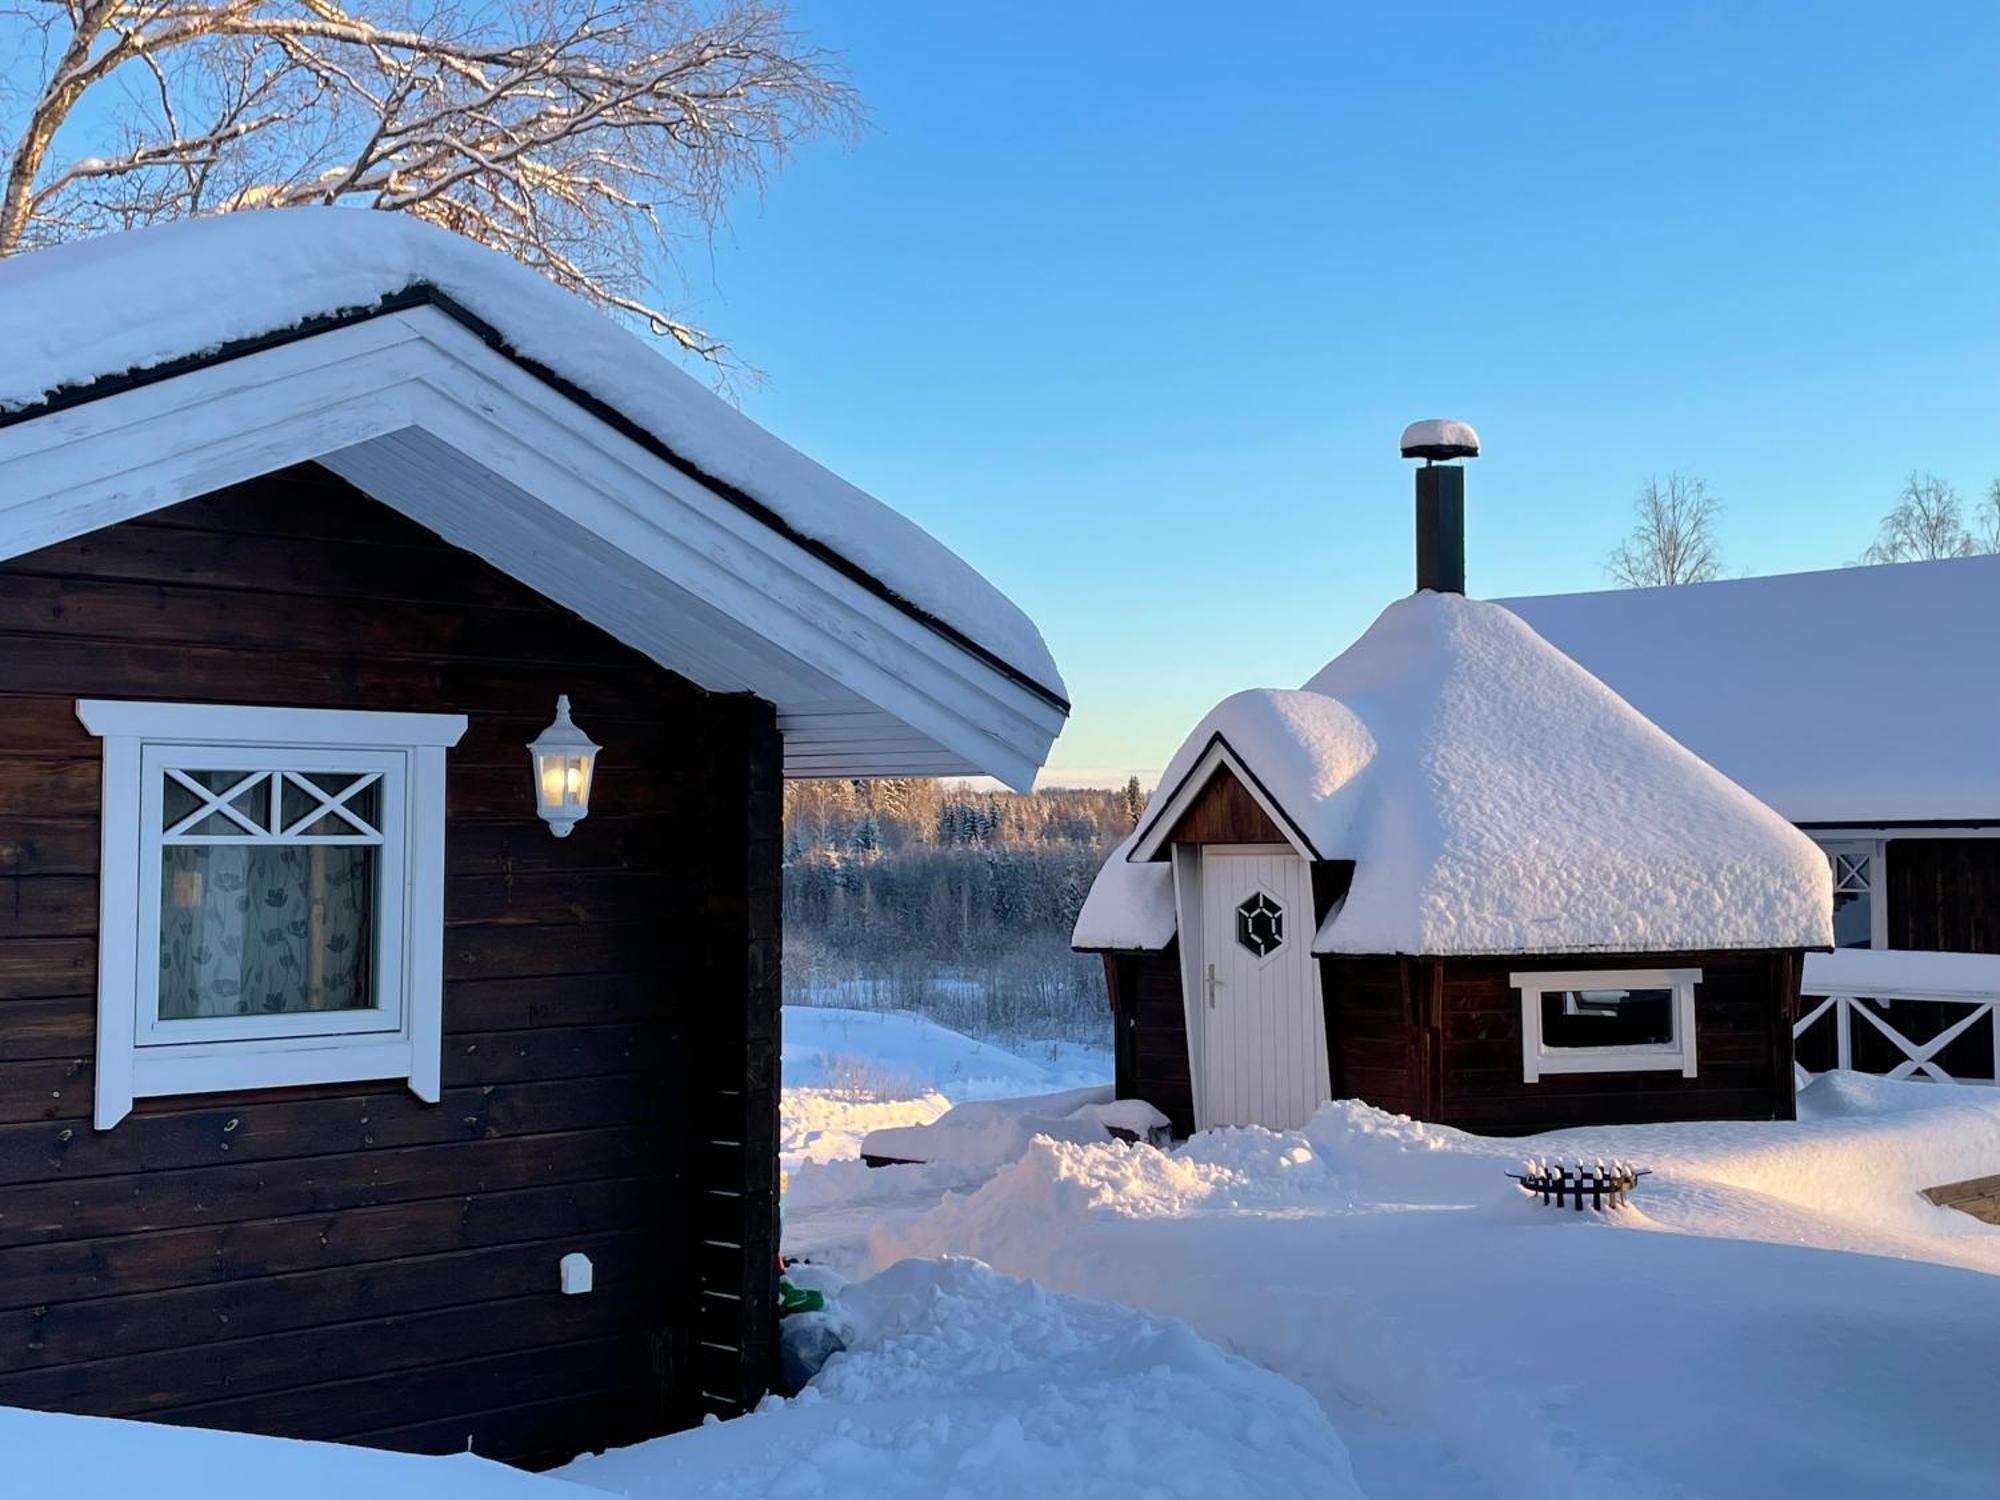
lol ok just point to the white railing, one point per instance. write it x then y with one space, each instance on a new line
1840 981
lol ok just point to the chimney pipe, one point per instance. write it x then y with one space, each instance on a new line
1440 501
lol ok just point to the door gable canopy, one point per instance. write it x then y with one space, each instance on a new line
1220 800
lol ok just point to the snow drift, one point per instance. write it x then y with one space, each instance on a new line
964 1383
1779 1313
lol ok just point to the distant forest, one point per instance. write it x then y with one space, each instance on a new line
917 895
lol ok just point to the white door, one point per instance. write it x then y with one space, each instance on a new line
1264 1034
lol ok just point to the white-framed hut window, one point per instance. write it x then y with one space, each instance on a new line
271 902
1607 1021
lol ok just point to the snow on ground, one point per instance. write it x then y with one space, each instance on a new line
848 1072
1779 1314
894 1053
50 1454
959 1382
827 1125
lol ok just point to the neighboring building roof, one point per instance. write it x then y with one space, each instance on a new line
429 371
1860 695
1495 798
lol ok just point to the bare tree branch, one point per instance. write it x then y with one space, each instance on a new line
1674 539
589 139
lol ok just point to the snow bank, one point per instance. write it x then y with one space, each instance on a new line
852 1072
960 1382
829 1124
994 1131
1779 1313
1734 669
895 1053
1496 798
128 302
50 1454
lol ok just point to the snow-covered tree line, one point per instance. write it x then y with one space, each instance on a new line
955 902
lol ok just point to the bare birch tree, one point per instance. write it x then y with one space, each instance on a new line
1927 522
1673 540
592 140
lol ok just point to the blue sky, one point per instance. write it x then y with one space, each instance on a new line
1129 303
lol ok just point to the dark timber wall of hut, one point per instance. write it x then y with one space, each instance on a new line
1441 1039
345 1261
1149 1033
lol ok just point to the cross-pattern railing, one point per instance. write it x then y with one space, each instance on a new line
1851 982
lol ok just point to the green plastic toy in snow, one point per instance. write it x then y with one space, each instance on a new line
796 1299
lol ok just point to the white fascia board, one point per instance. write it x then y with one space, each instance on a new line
755 577
653 512
1156 826
86 467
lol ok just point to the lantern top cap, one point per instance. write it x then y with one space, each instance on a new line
562 733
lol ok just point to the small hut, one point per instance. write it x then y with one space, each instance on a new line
1455 876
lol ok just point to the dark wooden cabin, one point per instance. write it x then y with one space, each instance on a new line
1441 1038
282 1219
1456 878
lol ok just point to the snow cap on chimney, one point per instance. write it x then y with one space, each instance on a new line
1440 437
1440 500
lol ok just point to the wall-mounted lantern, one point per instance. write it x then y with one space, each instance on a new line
564 760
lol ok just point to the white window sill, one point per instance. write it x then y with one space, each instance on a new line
231 1066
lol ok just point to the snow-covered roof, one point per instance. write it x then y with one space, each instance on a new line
78 313
1129 907
1859 695
1495 798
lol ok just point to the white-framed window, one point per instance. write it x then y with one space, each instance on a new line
271 901
1607 1021
1860 910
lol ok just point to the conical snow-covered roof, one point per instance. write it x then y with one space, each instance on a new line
1494 798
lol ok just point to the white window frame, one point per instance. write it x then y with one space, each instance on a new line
401 1036
1876 853
1676 1056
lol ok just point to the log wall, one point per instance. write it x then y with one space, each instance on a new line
347 1262
1441 1039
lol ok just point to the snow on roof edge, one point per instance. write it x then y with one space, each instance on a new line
374 263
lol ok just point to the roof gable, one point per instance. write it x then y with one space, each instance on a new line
492 408
1225 811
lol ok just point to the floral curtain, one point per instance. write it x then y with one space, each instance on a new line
254 929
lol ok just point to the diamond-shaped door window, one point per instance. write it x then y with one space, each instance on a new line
1260 924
